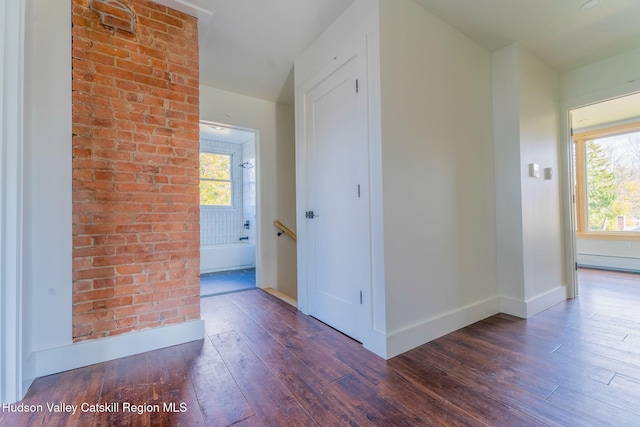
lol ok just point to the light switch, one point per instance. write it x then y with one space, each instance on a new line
534 170
548 173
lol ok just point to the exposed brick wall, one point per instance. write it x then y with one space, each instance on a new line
135 170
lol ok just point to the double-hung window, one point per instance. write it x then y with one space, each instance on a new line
216 181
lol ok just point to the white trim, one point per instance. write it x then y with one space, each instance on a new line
376 342
568 207
341 56
514 307
11 181
566 150
85 353
605 261
533 306
415 335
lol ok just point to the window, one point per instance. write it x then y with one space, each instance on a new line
215 179
608 182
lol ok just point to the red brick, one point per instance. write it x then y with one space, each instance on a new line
149 317
173 321
135 170
112 261
125 280
127 290
93 316
126 322
150 257
109 49
135 309
81 331
133 228
120 331
114 72
103 176
82 285
80 297
142 137
167 19
86 33
113 302
103 326
150 23
129 269
191 309
103 283
84 307
109 8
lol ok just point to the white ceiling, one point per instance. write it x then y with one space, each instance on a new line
559 32
249 46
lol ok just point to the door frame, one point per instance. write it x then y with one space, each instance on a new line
566 153
12 126
346 54
326 58
349 75
256 140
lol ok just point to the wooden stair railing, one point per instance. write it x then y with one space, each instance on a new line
283 229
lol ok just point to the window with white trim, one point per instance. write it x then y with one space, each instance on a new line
216 181
608 181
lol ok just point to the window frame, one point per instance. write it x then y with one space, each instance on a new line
580 141
231 182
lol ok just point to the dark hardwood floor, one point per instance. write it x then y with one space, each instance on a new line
265 364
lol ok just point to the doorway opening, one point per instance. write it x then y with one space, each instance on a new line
228 208
605 153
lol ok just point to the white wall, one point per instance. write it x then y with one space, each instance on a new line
276 256
529 219
437 171
606 79
507 170
617 254
609 78
539 94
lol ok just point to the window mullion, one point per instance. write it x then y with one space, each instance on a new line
581 185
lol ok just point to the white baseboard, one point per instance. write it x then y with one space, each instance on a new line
85 353
376 342
532 306
413 336
514 307
616 263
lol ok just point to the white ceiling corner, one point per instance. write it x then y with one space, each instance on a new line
559 32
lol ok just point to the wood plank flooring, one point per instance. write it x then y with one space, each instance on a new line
265 364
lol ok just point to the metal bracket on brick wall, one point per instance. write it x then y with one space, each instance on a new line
114 14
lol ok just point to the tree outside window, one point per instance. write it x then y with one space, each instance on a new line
215 179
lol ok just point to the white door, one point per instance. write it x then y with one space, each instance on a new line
338 251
